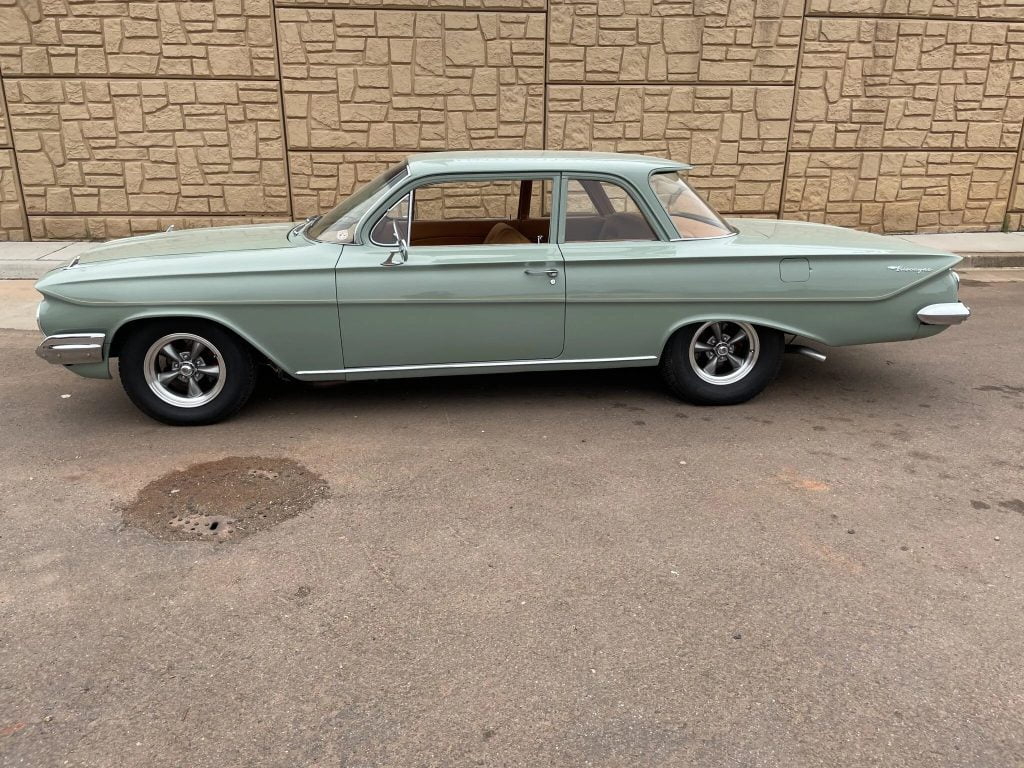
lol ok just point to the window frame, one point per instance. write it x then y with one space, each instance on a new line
367 225
640 200
411 194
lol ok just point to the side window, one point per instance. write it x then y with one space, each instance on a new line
602 211
489 212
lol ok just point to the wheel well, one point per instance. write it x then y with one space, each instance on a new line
126 330
683 327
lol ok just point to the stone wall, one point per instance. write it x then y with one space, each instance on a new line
120 118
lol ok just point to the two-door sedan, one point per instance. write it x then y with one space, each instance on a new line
484 262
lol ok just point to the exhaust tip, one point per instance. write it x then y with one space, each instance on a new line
800 349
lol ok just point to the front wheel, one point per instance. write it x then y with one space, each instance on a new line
721 362
186 373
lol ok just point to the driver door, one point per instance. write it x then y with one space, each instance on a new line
476 280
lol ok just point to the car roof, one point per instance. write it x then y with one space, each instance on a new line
499 161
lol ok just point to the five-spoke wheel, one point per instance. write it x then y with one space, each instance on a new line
721 362
186 372
724 351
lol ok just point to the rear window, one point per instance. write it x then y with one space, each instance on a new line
691 216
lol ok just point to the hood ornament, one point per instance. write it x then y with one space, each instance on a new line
170 228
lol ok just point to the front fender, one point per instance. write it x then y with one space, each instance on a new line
195 314
281 301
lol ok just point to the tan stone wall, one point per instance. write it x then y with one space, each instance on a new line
909 84
696 40
183 148
900 191
122 117
412 80
217 38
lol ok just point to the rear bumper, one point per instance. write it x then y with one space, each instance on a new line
72 348
944 314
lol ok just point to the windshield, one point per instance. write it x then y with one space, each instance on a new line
338 225
692 217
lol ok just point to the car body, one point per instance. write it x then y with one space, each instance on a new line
610 257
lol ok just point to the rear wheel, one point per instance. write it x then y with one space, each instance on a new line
721 362
186 372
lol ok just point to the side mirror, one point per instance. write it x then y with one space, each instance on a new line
403 250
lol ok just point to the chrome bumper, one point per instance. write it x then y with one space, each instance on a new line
944 314
72 348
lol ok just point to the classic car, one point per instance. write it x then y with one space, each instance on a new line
482 262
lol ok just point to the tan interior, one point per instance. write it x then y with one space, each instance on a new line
479 232
691 228
502 234
617 226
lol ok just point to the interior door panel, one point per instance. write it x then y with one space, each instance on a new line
473 231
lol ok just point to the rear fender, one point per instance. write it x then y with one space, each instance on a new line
835 322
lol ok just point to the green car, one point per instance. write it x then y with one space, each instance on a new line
483 262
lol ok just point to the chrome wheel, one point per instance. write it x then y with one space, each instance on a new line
724 351
184 370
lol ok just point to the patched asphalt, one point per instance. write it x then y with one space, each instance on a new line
529 570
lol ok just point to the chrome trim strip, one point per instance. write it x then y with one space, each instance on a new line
733 233
512 300
72 348
952 313
498 364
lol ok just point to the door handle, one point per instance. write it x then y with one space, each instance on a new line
550 272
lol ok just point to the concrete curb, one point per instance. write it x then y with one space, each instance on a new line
991 261
30 261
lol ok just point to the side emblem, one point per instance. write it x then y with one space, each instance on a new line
901 268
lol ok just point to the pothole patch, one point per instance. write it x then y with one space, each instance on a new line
225 500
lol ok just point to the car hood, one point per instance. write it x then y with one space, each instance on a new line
806 238
250 237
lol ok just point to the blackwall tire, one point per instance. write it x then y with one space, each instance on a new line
186 372
721 362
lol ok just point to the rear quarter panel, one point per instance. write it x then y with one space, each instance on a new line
628 298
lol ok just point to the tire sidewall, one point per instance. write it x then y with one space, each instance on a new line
238 370
685 382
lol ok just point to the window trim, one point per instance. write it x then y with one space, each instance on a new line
366 226
411 194
643 204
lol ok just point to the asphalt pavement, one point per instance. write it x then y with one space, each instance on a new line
568 569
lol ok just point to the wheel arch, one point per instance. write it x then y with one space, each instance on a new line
120 332
752 319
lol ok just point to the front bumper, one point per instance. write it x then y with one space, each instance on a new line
72 348
944 314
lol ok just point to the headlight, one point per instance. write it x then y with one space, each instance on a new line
39 308
956 278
